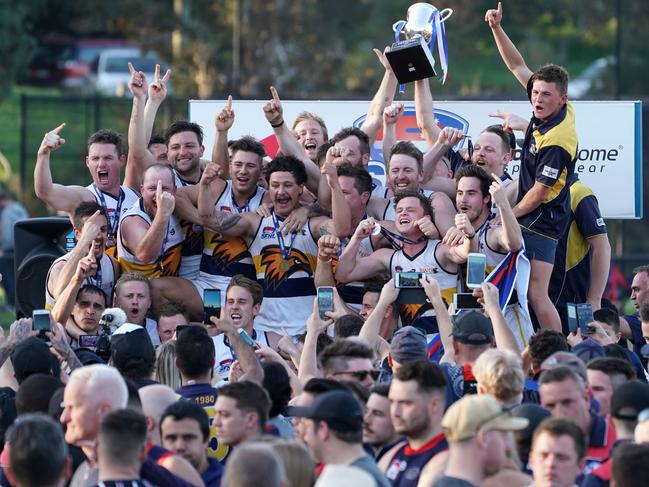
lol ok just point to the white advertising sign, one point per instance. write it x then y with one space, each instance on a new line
609 159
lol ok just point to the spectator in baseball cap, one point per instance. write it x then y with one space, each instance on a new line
475 429
334 432
132 353
408 344
33 356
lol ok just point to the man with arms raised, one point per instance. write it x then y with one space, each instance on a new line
417 254
416 408
547 167
476 191
150 238
284 263
90 225
104 161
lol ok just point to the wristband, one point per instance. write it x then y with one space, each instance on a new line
471 237
323 260
277 125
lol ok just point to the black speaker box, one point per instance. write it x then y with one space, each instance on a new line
37 242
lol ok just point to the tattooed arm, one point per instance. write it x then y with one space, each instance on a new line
59 339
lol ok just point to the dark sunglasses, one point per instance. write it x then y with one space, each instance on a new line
361 375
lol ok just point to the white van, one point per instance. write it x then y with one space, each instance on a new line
111 75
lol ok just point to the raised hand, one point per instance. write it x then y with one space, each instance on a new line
511 122
137 84
427 227
389 293
225 118
295 221
51 141
383 58
449 136
90 231
463 224
87 267
431 288
392 113
273 109
158 89
210 173
365 228
165 201
494 16
328 246
497 191
335 156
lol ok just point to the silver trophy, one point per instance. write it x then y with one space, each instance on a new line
410 56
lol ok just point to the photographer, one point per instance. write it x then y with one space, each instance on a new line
79 307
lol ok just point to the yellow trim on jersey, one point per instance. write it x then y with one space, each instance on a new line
577 247
563 134
170 264
557 187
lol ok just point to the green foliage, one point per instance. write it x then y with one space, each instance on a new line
15 43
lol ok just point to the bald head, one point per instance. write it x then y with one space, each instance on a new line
155 399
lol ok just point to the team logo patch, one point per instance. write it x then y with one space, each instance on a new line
271 260
550 172
600 222
268 232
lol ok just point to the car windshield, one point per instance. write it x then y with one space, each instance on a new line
119 64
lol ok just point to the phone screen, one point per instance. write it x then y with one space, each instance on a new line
572 317
409 279
211 304
466 301
475 274
584 317
88 341
41 320
325 301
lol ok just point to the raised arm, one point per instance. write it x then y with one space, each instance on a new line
315 326
508 52
340 211
58 196
223 122
146 243
246 356
186 207
288 144
391 116
444 322
382 99
509 235
328 246
64 305
425 111
372 326
351 268
61 276
139 156
502 333
446 139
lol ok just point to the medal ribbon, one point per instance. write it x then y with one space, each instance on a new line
246 207
394 238
112 222
280 239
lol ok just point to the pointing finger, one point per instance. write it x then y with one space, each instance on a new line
58 129
131 68
156 75
158 191
274 93
229 104
500 8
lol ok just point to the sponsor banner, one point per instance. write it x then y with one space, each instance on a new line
609 157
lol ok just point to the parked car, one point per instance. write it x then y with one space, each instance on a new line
46 67
111 75
82 54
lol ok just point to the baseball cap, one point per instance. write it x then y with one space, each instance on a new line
464 418
629 399
534 413
130 342
339 409
473 328
32 356
588 349
407 345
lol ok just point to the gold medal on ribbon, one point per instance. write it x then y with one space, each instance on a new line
110 241
285 265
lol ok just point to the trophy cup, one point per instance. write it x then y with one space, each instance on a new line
411 58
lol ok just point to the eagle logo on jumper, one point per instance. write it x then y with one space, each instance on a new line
271 261
170 262
410 312
226 251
